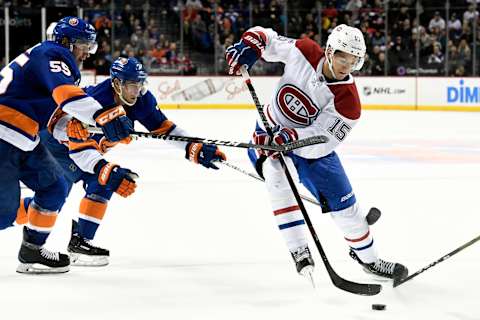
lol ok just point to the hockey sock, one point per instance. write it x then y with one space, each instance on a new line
40 223
357 233
285 208
90 216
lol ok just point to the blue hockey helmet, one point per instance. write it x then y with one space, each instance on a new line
128 69
132 76
70 31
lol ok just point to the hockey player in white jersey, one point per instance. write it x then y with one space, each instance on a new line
316 95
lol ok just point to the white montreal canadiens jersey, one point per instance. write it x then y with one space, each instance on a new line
303 100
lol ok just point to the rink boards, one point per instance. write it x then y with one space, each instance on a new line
384 93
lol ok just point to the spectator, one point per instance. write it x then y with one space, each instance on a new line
436 22
470 14
454 27
436 57
378 66
464 52
171 53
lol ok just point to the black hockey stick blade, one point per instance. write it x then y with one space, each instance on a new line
363 289
445 257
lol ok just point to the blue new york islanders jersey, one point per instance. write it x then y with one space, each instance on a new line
86 154
144 110
32 86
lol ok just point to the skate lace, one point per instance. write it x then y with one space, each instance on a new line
301 253
89 242
47 254
384 266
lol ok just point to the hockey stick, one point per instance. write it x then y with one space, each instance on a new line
445 257
339 282
372 216
283 148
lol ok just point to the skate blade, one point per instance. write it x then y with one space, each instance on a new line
307 272
36 268
83 260
378 278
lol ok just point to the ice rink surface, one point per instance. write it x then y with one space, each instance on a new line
193 243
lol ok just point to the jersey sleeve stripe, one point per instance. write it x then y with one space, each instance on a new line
166 127
17 120
66 92
86 159
79 146
82 108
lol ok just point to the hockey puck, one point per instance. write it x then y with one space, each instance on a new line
378 307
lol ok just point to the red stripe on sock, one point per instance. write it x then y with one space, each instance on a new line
285 210
359 239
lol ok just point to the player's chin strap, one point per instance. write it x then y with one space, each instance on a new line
120 95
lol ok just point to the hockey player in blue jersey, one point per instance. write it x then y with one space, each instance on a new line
78 152
32 86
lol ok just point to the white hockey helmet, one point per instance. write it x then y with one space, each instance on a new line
349 40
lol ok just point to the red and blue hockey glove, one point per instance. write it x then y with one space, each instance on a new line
204 154
115 124
284 135
246 51
280 136
119 179
261 137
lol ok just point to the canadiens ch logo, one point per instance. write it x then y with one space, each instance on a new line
296 106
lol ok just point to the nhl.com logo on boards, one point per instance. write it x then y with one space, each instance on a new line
379 90
463 93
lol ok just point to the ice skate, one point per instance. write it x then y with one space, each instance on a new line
83 253
304 263
36 259
382 269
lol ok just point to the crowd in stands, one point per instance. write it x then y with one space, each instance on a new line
190 36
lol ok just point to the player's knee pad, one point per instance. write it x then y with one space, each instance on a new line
274 176
52 197
7 220
350 220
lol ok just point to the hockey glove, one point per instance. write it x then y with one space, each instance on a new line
261 137
76 130
284 135
121 180
114 123
246 51
204 154
280 136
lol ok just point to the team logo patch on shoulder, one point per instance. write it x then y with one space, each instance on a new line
296 105
73 22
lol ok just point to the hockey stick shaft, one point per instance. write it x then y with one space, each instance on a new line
257 177
445 257
278 148
356 288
